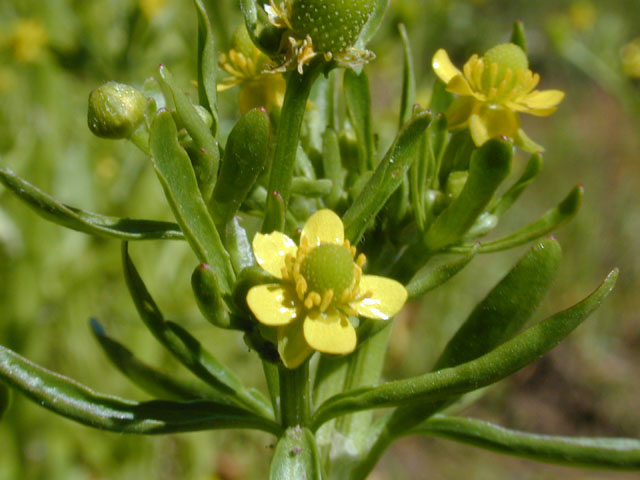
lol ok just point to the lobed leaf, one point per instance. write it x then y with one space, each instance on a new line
187 349
207 61
489 166
530 173
548 222
144 376
605 453
87 222
386 178
178 180
73 400
501 362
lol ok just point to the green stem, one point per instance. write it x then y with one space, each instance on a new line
273 385
284 155
295 396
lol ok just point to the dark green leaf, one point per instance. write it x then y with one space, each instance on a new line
87 222
507 308
185 347
388 176
178 180
488 168
146 377
603 453
426 279
245 156
206 290
506 359
207 61
358 102
544 225
70 399
296 456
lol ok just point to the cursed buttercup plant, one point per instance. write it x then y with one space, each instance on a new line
307 242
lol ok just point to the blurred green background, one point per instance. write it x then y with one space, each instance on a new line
52 53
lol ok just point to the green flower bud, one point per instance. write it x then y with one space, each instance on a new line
333 25
115 110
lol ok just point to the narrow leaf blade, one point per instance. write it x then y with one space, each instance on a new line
87 222
591 452
79 403
501 362
296 456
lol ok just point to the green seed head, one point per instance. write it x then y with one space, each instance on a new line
115 110
333 25
506 56
328 266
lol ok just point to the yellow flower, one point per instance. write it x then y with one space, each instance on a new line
247 67
492 90
319 285
630 54
29 40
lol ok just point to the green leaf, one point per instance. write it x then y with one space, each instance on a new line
332 166
372 25
517 35
358 102
146 377
296 456
548 222
427 278
73 400
184 347
530 173
84 221
311 188
206 157
245 156
207 61
602 453
206 291
178 180
440 98
501 362
489 166
408 77
387 176
5 399
507 308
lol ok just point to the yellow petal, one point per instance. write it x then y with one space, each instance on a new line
330 333
459 85
272 304
270 251
442 66
387 297
540 102
292 346
478 129
324 226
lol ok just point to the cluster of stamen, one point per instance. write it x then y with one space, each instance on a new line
508 88
292 271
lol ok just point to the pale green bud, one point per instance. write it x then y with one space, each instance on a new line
115 110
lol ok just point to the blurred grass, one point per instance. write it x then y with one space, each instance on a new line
53 280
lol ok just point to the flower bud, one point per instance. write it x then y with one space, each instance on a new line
115 110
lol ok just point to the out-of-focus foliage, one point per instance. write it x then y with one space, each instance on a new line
52 54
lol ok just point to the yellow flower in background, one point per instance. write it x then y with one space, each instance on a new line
248 68
320 284
150 8
492 90
630 55
28 39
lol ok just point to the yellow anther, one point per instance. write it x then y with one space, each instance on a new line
326 300
361 260
301 287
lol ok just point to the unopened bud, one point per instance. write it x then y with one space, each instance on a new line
115 110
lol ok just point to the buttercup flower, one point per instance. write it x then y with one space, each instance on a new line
630 54
320 284
248 68
492 90
321 27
